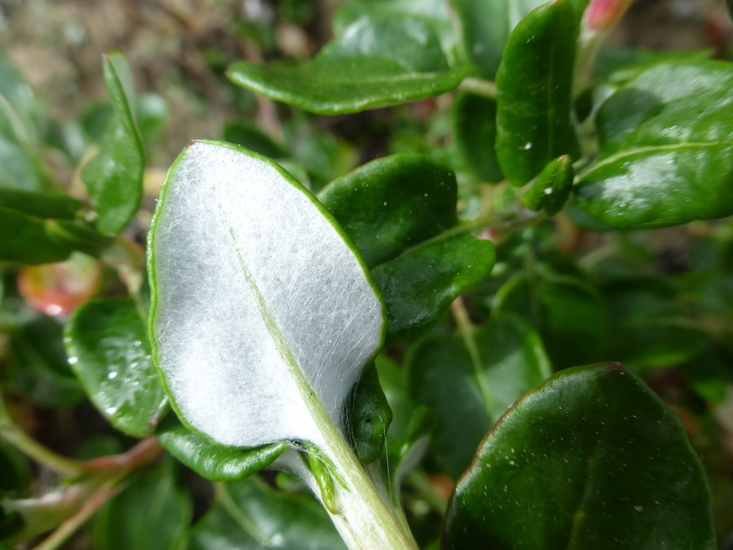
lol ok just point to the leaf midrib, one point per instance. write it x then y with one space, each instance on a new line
651 149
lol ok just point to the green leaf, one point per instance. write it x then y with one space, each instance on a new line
484 28
551 189
649 326
569 314
619 65
152 112
468 382
14 87
40 205
285 304
368 417
474 130
249 515
250 136
153 512
436 12
400 213
420 285
534 92
114 177
590 459
376 61
109 351
20 167
666 151
37 366
77 234
210 460
29 241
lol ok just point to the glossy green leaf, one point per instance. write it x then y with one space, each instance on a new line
590 459
376 61
284 278
484 29
551 188
569 314
249 515
666 149
420 285
392 204
534 92
109 351
469 381
153 512
40 205
114 177
437 12
619 65
400 213
368 417
210 460
27 239
474 130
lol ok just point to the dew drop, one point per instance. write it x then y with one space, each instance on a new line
73 360
112 375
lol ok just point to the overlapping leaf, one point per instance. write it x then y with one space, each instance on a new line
666 149
590 459
114 177
249 515
378 60
400 212
110 353
534 92
469 380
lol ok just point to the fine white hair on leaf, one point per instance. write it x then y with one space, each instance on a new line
257 299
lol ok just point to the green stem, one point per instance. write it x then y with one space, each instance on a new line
465 329
31 448
478 86
363 517
71 525
419 480
247 525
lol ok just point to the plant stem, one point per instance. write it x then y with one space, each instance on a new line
364 519
31 448
39 453
478 86
465 329
420 481
71 525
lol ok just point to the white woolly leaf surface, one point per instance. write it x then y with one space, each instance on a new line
257 300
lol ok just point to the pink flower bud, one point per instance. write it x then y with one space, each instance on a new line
602 15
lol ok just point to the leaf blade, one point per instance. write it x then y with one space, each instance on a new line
592 457
280 298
